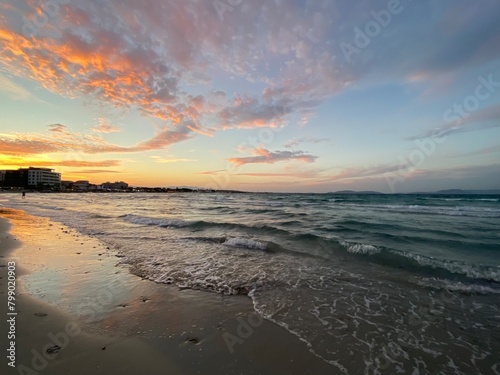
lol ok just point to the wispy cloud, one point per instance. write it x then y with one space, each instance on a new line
13 90
297 141
57 128
60 140
159 159
482 119
301 175
263 156
104 127
213 172
481 151
94 171
60 163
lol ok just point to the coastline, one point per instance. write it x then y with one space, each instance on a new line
111 321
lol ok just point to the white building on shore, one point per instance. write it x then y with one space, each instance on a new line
42 177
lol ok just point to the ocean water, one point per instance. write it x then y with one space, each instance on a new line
370 283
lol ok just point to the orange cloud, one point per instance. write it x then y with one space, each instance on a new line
70 65
60 140
59 163
104 127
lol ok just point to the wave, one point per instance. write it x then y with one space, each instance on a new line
471 211
414 263
166 223
360 248
421 264
260 211
56 208
245 243
473 271
201 224
457 286
219 240
100 216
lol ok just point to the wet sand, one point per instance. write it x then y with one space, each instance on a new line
105 320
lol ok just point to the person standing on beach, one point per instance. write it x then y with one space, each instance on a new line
24 194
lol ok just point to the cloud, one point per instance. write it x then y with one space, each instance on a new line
295 142
13 90
264 156
456 175
283 57
61 163
353 173
304 175
451 41
251 113
146 60
159 159
93 171
104 127
481 151
482 119
214 172
59 140
57 128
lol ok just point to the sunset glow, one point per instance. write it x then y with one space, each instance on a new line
394 96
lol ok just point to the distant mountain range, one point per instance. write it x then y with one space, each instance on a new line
448 192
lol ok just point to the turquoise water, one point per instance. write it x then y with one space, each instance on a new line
368 282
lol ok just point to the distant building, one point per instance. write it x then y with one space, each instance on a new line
67 185
82 185
16 178
119 185
32 178
43 177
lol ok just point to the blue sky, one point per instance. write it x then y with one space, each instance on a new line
395 96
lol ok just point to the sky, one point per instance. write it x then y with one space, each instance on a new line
289 96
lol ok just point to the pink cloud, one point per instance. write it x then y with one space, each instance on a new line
59 140
104 127
139 54
264 156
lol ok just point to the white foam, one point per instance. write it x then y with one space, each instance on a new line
476 271
456 286
246 243
143 220
360 248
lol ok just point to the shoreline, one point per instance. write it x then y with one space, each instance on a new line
115 322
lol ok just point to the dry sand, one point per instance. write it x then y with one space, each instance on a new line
71 293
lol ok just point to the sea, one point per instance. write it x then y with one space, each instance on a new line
370 283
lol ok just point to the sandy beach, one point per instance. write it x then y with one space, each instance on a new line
80 313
